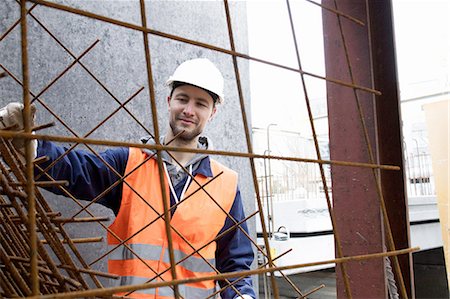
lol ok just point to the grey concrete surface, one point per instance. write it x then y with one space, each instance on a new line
118 61
321 283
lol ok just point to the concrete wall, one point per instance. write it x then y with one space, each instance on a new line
118 61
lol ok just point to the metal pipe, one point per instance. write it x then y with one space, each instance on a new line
266 181
270 190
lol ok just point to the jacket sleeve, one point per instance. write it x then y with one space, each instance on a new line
234 252
87 175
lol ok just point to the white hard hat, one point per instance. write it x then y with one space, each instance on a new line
199 72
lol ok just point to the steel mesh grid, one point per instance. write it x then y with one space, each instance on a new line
158 147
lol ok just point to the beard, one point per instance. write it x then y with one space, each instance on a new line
186 136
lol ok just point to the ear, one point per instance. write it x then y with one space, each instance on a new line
168 102
213 113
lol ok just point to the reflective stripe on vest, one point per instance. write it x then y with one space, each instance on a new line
198 219
152 252
185 291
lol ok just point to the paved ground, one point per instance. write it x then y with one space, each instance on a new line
305 282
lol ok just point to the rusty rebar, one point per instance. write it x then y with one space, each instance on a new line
61 74
236 223
122 105
108 291
27 122
337 238
12 224
250 150
12 188
338 12
9 156
15 24
160 147
371 156
103 86
192 42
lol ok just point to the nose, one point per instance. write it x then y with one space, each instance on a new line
189 109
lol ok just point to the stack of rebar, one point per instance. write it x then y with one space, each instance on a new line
60 266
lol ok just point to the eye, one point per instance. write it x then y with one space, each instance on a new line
202 104
182 99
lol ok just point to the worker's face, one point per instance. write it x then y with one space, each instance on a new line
190 109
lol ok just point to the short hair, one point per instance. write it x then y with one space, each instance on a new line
176 84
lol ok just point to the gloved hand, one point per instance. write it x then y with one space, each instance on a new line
11 118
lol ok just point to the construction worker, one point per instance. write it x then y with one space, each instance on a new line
198 214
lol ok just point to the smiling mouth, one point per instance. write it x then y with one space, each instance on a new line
184 120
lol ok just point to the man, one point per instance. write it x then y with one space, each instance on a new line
198 215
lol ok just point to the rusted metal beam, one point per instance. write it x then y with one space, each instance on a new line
389 131
361 129
354 197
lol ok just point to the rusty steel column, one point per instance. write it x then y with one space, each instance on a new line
367 58
355 200
389 130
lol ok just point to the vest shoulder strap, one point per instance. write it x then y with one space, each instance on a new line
218 167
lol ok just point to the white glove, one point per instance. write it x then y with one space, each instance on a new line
11 118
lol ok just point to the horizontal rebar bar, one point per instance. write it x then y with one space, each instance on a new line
195 43
42 183
78 220
43 126
112 290
24 260
98 273
12 134
79 240
41 159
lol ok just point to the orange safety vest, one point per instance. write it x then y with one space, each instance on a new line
197 218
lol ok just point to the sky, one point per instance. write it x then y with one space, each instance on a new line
276 92
423 46
422 33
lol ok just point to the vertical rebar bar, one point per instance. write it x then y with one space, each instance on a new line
166 203
29 151
317 148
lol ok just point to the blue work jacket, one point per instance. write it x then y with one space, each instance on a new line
89 176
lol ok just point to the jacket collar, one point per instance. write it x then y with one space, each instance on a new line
201 162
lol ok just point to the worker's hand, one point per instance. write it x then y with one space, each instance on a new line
11 118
